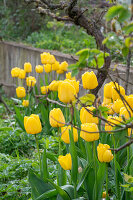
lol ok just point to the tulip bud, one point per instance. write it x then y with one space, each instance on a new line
86 116
89 127
115 94
65 161
63 66
20 92
44 89
65 134
32 124
25 103
108 90
66 92
55 66
45 57
39 69
54 85
118 104
27 67
48 68
89 80
129 100
30 81
21 74
113 121
56 118
104 154
130 132
15 72
126 112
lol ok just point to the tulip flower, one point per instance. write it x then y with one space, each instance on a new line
39 69
53 86
32 124
113 122
25 103
56 118
89 80
21 74
129 100
108 90
30 81
15 72
45 57
115 94
90 127
125 112
48 68
27 67
104 154
20 92
63 66
55 66
65 161
118 104
44 89
65 134
66 92
86 117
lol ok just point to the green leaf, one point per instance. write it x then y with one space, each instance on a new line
19 117
48 195
38 186
129 28
125 51
84 175
128 178
6 129
61 192
113 11
87 99
73 152
82 51
44 169
62 178
100 178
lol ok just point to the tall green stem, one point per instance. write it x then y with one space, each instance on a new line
37 144
107 197
59 141
95 168
116 175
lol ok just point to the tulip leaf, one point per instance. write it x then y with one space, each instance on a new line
129 164
89 183
60 191
62 178
19 118
48 195
44 169
6 129
87 99
100 178
38 186
84 175
73 153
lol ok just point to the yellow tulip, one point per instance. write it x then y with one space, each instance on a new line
110 107
118 104
129 100
59 71
65 161
25 103
65 134
115 94
86 117
48 68
69 76
54 85
20 92
125 113
108 87
63 66
27 67
45 57
106 101
39 69
44 89
89 127
30 81
55 66
21 74
32 124
104 194
113 121
74 83
56 118
104 154
89 80
15 72
52 59
66 92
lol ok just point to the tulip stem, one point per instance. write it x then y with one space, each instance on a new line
116 175
95 168
59 141
37 144
107 181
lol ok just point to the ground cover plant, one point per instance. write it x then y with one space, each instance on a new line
80 145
